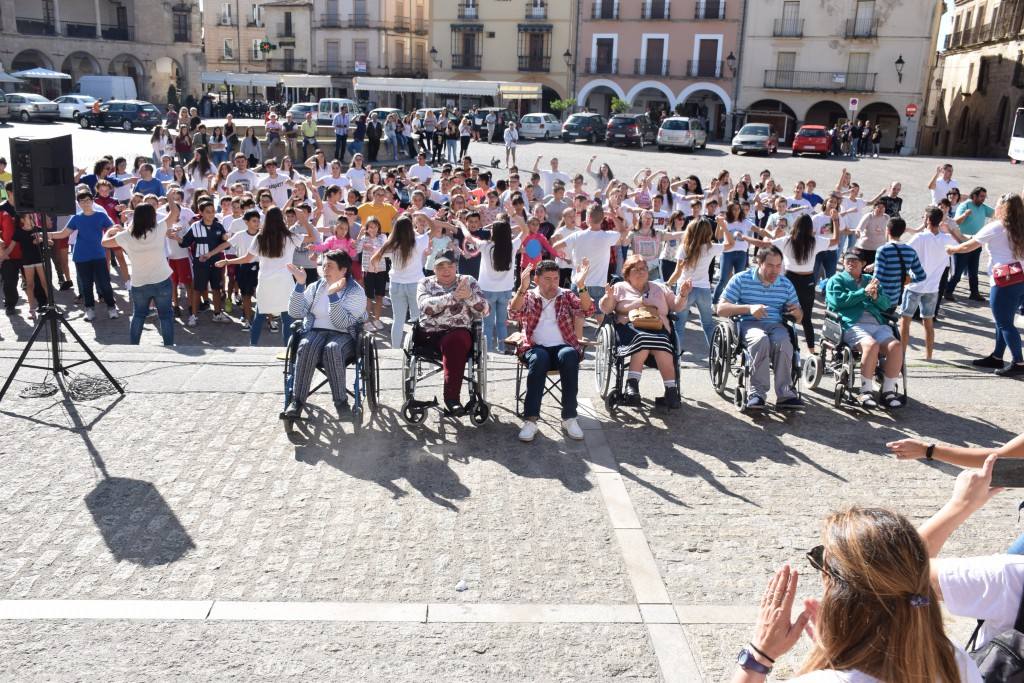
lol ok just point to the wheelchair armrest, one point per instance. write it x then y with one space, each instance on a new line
890 316
832 315
297 326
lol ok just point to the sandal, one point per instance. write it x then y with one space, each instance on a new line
891 400
867 399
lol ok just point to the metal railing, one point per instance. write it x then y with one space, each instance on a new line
820 80
399 23
788 28
287 65
862 28
650 67
407 67
466 62
75 29
604 9
534 63
601 66
285 31
535 11
183 36
701 68
115 32
976 35
39 27
709 9
652 13
469 11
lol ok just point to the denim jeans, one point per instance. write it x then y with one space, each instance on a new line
451 147
94 273
140 296
339 146
825 261
854 147
1005 302
218 157
495 327
845 242
701 298
403 301
961 262
257 327
539 360
393 144
732 262
1017 547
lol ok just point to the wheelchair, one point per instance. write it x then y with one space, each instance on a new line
422 363
610 365
842 362
366 381
728 357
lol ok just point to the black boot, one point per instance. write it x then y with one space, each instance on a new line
670 399
341 407
294 410
631 395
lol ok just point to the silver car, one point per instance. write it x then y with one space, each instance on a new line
72 106
5 109
299 109
755 137
27 106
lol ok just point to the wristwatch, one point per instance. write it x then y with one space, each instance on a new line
929 452
747 661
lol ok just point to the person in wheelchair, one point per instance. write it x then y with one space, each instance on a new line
548 315
761 296
861 304
642 329
449 303
331 310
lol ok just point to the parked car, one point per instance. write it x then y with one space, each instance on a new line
542 126
126 114
812 139
72 106
589 127
5 109
503 115
106 87
299 109
630 129
384 112
755 137
681 131
329 106
27 106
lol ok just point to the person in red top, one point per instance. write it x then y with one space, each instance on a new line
534 246
548 315
10 267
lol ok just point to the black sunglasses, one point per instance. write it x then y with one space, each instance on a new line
816 556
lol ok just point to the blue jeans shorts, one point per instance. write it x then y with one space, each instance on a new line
912 301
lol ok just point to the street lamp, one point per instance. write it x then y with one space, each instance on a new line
567 56
433 56
730 62
899 68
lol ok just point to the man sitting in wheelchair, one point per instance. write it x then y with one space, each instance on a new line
861 305
331 310
642 329
761 296
449 303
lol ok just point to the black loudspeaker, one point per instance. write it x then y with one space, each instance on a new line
43 175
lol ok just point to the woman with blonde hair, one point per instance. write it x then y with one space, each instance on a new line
693 260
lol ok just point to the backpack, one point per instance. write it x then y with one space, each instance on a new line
1001 660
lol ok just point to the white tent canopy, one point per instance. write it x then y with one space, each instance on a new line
8 78
436 86
45 74
254 80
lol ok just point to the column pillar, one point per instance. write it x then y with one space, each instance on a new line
99 20
57 26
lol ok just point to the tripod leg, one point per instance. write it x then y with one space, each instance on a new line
21 359
92 356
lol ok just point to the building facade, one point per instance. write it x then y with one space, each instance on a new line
505 40
815 61
232 33
157 44
660 56
979 81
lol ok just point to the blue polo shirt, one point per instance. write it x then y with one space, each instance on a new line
978 218
90 233
747 289
151 186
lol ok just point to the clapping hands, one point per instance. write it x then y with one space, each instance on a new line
298 273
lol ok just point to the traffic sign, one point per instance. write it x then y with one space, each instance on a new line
911 110
853 103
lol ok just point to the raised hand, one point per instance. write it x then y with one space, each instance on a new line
298 273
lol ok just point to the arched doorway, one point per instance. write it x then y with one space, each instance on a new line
597 95
548 95
710 104
825 113
31 59
776 113
78 64
128 65
652 97
886 116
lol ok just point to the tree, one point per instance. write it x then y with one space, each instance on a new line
560 107
619 106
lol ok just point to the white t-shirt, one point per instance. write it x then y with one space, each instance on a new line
247 178
595 245
931 252
852 219
986 588
421 173
547 333
123 193
802 204
274 266
941 188
241 242
699 272
995 239
738 228
148 262
321 311
185 218
789 260
491 280
548 178
411 271
968 673
562 233
357 178
331 181
278 186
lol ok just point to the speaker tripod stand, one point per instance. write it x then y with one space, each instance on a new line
52 320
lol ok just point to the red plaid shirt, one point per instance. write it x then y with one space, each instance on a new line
567 307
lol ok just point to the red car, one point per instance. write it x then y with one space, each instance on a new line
813 140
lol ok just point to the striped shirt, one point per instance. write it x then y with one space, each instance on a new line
890 272
204 238
747 289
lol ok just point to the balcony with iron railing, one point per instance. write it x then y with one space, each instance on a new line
788 28
407 67
287 65
605 9
285 30
420 26
39 27
976 35
701 68
401 24
469 10
652 12
534 63
650 67
345 21
819 80
77 29
862 28
535 11
466 62
709 9
601 66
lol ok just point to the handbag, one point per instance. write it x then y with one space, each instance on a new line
1008 274
646 318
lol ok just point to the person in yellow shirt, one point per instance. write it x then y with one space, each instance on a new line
379 208
5 177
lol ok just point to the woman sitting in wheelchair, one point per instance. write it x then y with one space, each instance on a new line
641 310
331 310
860 303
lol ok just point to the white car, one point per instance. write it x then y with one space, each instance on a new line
542 126
72 106
681 131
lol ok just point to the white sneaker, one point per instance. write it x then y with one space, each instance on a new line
192 321
221 318
572 429
90 314
529 431
114 313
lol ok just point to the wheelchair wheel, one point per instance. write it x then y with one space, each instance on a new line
812 371
371 373
481 369
481 411
412 414
719 360
611 401
740 398
839 393
604 359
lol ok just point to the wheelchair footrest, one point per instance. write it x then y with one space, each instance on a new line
417 405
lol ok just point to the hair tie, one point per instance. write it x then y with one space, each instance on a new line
919 601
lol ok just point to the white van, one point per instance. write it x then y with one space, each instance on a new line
329 106
107 87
